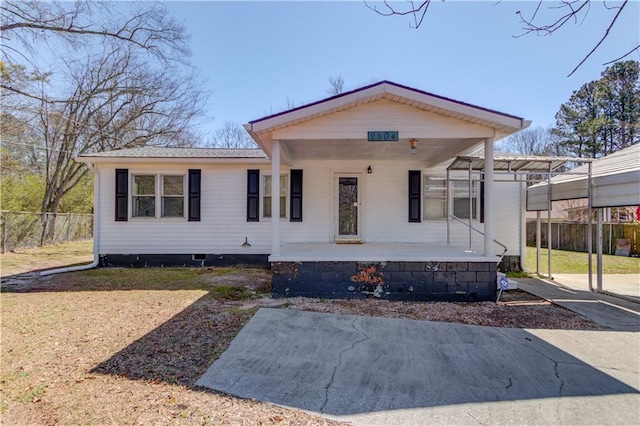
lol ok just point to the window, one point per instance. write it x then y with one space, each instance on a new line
144 196
435 198
266 196
170 198
461 199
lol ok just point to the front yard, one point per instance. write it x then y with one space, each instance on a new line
125 346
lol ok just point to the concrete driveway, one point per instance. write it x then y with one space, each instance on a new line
389 371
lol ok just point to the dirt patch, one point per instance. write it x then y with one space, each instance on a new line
516 309
125 346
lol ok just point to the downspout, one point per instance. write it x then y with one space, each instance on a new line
96 233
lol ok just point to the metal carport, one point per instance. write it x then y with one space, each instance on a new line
611 181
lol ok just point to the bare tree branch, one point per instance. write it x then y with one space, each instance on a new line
571 10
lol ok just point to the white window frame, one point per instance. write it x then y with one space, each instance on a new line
452 196
285 193
134 195
424 189
162 195
159 195
475 196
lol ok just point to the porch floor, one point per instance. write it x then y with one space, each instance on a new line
377 252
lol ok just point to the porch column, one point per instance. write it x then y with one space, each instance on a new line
488 198
275 198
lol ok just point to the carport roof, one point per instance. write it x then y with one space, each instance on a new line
511 163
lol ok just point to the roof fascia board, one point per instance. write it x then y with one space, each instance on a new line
172 160
317 108
461 108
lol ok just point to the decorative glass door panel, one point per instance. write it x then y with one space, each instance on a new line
348 201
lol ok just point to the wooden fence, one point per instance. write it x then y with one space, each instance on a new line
573 236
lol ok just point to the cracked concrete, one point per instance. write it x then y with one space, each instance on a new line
389 371
326 399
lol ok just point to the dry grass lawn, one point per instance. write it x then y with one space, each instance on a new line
125 346
116 346
36 258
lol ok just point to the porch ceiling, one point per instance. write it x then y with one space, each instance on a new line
431 151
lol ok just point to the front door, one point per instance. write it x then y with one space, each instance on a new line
348 215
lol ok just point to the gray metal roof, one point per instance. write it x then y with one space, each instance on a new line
615 181
623 161
511 163
163 152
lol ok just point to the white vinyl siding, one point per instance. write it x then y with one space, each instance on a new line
223 226
409 121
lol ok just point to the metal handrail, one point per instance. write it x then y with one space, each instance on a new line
505 249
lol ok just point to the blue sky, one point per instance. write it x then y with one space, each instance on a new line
256 55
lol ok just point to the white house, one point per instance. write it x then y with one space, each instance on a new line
373 197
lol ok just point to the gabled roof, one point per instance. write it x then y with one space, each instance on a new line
502 122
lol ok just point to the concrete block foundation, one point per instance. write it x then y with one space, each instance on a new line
447 281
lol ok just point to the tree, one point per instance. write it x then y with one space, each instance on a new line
28 25
231 135
620 98
563 12
603 115
122 79
336 85
530 141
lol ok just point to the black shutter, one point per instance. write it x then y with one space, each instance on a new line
253 195
296 196
194 195
482 202
414 195
122 195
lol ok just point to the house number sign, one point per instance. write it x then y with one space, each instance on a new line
385 136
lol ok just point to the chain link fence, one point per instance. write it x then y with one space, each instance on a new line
28 229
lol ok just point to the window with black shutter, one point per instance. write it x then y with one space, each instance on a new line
194 195
253 195
414 195
122 195
296 196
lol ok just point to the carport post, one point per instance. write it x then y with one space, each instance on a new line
448 207
489 208
599 213
275 198
549 202
589 230
538 243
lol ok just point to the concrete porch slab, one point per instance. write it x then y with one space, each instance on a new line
378 252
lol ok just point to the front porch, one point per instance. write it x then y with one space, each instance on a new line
377 252
392 271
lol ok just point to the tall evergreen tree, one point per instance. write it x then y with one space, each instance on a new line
603 115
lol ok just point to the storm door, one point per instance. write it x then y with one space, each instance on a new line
348 215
